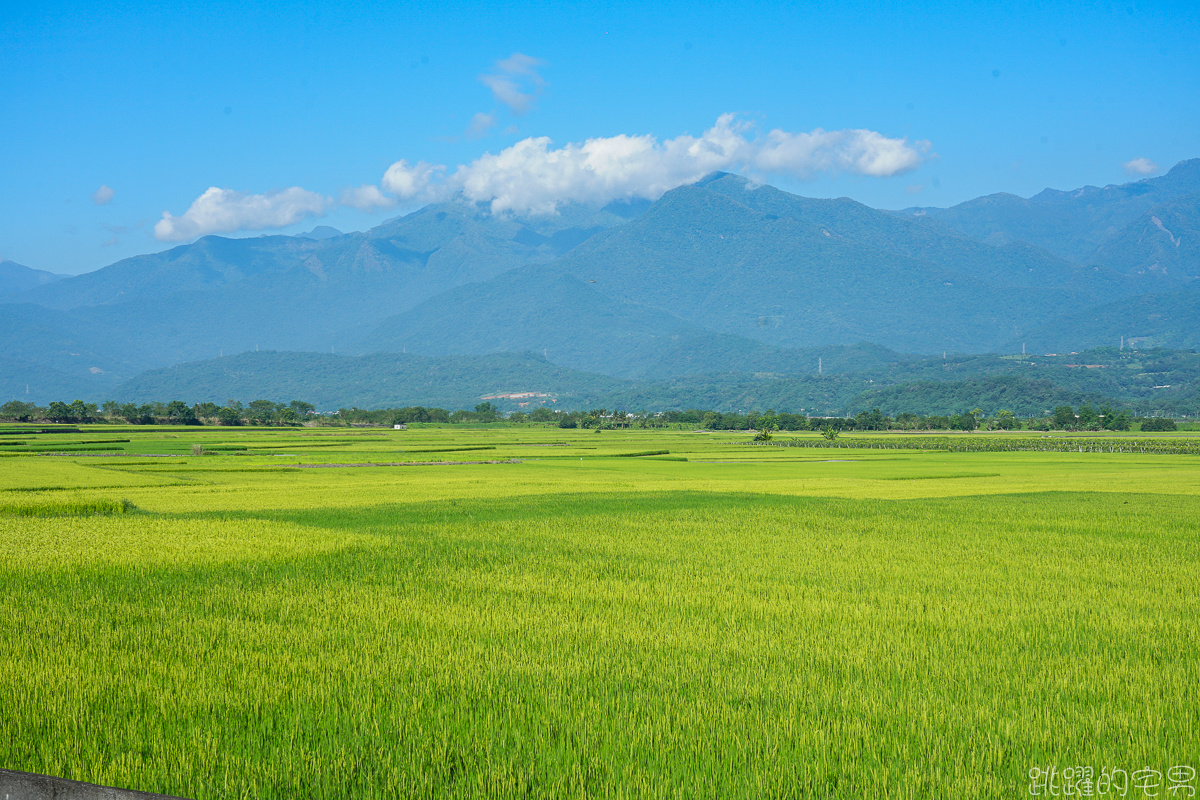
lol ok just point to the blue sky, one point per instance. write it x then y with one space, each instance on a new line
272 117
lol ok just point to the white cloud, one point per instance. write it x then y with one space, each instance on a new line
103 196
226 211
533 177
481 123
411 182
864 152
515 82
1140 166
366 198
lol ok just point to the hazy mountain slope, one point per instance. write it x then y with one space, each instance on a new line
276 292
16 278
1071 224
718 263
37 383
542 310
381 380
424 253
205 264
1165 241
1170 319
65 342
1025 385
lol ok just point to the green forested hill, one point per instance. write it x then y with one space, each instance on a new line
1170 319
376 381
1144 381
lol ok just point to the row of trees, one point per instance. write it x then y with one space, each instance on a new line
297 412
176 412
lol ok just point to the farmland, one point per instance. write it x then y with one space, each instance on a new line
499 611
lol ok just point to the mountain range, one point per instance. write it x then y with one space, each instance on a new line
721 277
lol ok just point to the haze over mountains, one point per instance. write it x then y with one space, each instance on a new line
721 276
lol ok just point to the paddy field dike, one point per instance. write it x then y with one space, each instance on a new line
449 611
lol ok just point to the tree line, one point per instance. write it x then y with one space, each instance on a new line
176 412
299 412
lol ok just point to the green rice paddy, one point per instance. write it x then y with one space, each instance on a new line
536 612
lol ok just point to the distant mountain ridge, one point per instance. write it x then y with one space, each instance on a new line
719 277
1072 224
17 278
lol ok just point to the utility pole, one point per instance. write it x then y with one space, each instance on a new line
819 366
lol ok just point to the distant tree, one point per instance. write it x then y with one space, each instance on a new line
1089 418
228 415
19 411
567 422
964 422
870 421
792 422
541 414
518 417
1116 420
1006 420
84 412
179 413
205 411
1064 418
129 413
1158 424
829 432
262 412
59 411
486 412
302 409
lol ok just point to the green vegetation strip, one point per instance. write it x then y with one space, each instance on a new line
450 449
65 508
122 464
408 464
295 446
68 448
998 444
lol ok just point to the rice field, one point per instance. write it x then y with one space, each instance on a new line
522 611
